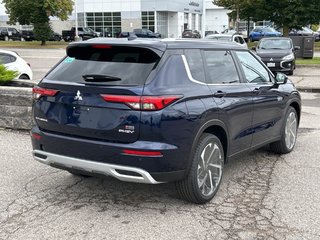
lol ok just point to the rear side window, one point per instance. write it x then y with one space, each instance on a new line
115 65
6 58
220 67
195 63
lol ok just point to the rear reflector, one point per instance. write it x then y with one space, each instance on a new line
142 153
36 136
145 103
40 92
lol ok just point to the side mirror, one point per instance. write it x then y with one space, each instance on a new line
254 48
296 48
281 78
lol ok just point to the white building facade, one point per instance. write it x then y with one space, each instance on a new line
216 18
168 17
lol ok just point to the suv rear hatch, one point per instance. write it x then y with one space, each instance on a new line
95 91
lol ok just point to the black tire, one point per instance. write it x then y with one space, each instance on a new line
293 67
24 76
282 146
189 188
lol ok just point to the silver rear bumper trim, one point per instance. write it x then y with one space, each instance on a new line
95 167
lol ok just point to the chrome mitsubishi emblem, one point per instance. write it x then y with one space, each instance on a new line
78 97
271 60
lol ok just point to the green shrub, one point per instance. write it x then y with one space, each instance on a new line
6 75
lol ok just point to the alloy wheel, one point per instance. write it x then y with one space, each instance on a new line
291 130
209 171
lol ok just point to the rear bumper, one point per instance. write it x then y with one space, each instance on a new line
108 158
123 173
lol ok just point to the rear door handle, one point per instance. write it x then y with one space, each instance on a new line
219 94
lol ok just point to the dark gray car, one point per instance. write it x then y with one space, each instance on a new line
278 53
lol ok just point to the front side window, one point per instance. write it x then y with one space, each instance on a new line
253 69
220 67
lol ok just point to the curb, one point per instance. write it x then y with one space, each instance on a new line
307 65
308 90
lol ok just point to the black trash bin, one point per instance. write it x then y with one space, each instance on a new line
308 47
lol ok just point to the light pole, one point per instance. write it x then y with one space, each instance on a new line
76 38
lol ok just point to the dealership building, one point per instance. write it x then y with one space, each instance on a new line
168 17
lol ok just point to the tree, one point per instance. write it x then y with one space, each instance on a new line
292 13
285 13
243 9
38 13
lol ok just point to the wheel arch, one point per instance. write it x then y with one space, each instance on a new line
295 102
217 128
220 133
296 107
24 76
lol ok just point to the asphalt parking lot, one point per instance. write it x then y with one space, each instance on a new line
262 196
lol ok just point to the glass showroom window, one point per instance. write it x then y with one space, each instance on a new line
162 23
108 23
193 21
148 20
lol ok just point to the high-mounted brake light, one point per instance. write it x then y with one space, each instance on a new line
144 103
41 92
101 46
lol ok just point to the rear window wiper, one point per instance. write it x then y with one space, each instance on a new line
100 78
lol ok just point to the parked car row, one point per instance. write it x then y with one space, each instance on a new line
305 31
259 32
84 33
28 35
10 33
191 34
139 33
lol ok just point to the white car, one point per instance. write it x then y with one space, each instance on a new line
228 38
12 61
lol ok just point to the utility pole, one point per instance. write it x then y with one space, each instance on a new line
237 20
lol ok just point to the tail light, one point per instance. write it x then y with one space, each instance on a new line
41 92
144 103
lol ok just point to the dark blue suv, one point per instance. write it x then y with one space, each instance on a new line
152 111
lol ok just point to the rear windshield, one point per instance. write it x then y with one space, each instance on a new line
116 65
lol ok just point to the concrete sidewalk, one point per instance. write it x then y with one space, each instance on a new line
307 78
